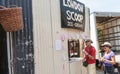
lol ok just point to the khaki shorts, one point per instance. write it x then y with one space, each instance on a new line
91 69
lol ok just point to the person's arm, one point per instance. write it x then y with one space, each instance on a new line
91 57
93 54
101 59
85 54
112 61
84 58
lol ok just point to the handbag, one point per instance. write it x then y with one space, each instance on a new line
85 63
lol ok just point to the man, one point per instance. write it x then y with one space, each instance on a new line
90 56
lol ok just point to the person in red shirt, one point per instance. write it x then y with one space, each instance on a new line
90 56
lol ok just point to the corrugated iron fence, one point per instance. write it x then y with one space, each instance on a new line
22 41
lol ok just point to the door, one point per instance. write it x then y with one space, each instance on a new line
3 52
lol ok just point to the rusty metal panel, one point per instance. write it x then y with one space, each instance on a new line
22 41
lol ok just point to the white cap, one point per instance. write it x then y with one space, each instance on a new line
107 43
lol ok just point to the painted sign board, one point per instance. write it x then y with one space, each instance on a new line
72 14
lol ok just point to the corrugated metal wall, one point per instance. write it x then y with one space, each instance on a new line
44 55
22 41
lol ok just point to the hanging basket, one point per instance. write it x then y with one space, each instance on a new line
11 19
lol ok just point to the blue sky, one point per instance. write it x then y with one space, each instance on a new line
102 5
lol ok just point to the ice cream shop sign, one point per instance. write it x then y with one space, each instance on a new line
72 14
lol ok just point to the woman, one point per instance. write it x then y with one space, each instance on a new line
108 59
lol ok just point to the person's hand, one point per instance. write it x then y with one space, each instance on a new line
85 52
103 60
83 60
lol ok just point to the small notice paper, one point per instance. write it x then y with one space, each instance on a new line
58 45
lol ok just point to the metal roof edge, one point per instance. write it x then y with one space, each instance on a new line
107 14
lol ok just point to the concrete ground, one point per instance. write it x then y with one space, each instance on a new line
99 72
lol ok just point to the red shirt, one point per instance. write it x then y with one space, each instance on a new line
91 51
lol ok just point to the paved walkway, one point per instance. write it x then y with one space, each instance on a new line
99 72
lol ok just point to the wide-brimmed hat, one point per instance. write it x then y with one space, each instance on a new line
88 40
107 44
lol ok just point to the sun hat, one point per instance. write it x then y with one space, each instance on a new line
88 40
107 44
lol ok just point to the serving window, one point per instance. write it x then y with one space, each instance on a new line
73 48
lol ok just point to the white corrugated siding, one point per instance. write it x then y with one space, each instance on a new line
42 37
47 29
